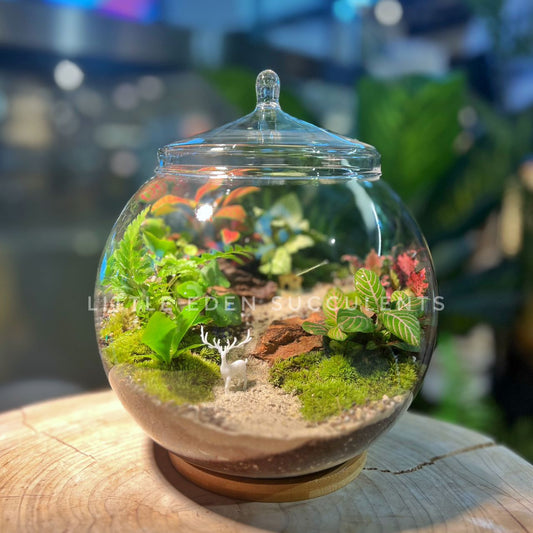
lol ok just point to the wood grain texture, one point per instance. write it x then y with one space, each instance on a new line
82 464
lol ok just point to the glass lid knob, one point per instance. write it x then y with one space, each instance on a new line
267 88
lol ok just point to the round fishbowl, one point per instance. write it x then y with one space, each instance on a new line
265 302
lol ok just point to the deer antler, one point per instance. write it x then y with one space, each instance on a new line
245 341
215 344
230 344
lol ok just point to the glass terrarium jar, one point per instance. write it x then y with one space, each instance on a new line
265 303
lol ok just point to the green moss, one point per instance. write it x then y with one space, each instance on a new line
284 368
205 352
209 354
128 348
117 323
322 400
328 385
190 380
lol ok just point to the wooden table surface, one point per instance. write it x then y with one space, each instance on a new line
82 464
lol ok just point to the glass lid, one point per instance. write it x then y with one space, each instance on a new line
271 143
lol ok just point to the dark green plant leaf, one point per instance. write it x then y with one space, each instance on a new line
402 324
403 346
159 335
189 316
160 247
190 347
369 288
399 117
156 226
235 253
129 265
353 321
190 289
213 275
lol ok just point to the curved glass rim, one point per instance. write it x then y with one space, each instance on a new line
271 172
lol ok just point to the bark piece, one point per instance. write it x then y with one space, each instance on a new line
286 338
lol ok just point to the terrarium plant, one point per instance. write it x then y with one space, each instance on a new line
152 266
219 208
383 310
171 285
284 232
370 338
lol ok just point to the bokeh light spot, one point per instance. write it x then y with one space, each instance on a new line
388 12
124 163
204 212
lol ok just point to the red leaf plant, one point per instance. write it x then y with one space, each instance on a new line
222 208
400 272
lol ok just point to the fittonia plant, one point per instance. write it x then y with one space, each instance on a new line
370 316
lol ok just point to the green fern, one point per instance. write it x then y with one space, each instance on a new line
130 265
183 268
235 253
134 262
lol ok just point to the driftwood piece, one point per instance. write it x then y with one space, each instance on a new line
82 464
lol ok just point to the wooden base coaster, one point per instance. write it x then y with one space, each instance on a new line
272 490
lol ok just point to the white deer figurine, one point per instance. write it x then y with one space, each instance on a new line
235 370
